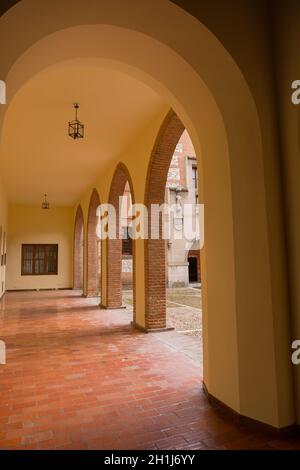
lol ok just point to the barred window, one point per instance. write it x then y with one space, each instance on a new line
39 259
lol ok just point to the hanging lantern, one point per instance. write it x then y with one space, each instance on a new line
45 203
76 128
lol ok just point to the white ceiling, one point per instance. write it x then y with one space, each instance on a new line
38 156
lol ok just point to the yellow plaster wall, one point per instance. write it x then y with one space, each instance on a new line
31 224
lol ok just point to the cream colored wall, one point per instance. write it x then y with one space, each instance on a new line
3 229
31 224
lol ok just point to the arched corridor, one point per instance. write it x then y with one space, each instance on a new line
137 85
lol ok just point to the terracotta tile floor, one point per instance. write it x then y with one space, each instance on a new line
78 377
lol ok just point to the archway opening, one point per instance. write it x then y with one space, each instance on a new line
93 285
78 249
174 175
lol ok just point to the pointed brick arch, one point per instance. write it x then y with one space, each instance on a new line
155 250
93 248
78 244
114 246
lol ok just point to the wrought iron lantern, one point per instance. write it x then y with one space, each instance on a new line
45 203
76 128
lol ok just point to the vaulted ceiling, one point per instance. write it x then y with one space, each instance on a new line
38 156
